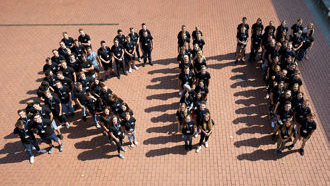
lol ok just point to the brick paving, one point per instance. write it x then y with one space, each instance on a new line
240 152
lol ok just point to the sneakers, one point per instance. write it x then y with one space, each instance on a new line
130 70
33 148
136 143
198 149
143 64
31 159
301 152
139 59
136 68
190 147
42 151
267 96
60 136
67 125
132 145
195 136
118 77
278 151
291 147
51 150
98 125
236 61
273 125
121 156
151 63
123 149
186 147
61 148
125 73
206 145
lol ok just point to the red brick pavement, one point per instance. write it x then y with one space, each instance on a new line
240 152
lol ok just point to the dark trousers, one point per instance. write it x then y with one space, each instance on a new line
119 144
203 136
147 54
28 147
254 52
137 50
119 66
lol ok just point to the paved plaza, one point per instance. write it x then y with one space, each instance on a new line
241 151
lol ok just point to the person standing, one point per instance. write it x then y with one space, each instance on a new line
23 128
117 135
146 44
188 130
206 128
242 39
129 126
134 39
118 54
129 49
84 38
104 53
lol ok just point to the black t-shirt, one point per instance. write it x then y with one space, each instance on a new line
62 51
242 37
52 67
53 104
200 43
129 47
307 42
293 81
180 58
106 120
181 115
134 38
51 80
186 78
115 106
41 92
117 51
295 28
104 53
57 60
307 127
198 65
206 127
26 134
84 39
187 34
296 41
141 33
200 114
194 34
277 94
204 90
105 95
284 115
241 25
78 51
75 65
189 129
183 65
301 113
129 125
280 29
181 41
68 72
122 114
44 129
187 100
87 82
268 28
81 96
44 112
121 39
146 42
205 77
88 64
66 82
63 94
68 42
256 26
256 39
96 89
116 130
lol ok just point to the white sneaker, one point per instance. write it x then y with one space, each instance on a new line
198 149
123 149
32 159
273 124
136 68
267 96
98 125
121 156
136 143
67 125
33 148
206 145
180 93
195 136
130 70
42 151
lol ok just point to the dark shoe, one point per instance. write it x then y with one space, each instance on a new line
76 107
151 63
186 147
118 77
280 152
301 152
72 114
143 64
291 147
236 61
125 73
84 118
60 136
190 147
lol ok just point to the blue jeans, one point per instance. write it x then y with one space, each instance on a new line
28 147
83 111
95 118
54 125
301 54
132 137
66 107
49 139
186 139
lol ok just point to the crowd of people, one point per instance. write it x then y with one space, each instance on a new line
192 116
281 50
73 75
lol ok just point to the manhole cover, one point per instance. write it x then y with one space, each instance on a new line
240 78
